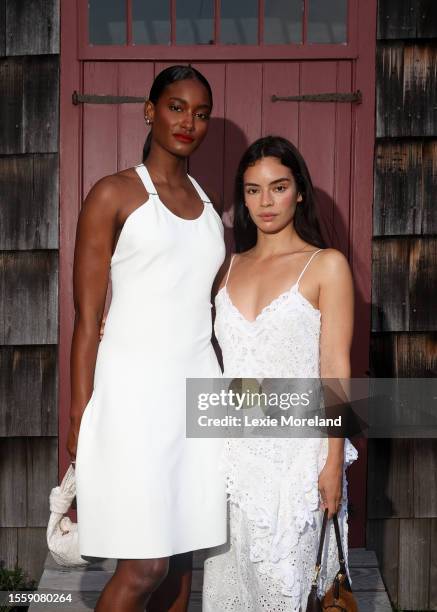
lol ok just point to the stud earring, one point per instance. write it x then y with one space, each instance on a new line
148 121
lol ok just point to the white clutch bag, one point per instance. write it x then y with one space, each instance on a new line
62 534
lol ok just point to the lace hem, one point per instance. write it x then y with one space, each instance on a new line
281 500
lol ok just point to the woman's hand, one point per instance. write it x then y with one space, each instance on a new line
331 487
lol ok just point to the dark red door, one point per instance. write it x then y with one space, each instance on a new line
335 137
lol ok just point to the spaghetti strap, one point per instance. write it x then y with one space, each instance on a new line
229 269
307 264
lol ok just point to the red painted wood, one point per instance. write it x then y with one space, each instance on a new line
317 134
129 22
207 163
210 53
361 238
70 148
134 79
243 118
100 132
342 165
280 117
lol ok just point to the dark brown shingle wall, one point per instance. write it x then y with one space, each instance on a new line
29 187
402 481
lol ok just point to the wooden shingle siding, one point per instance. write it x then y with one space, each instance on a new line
433 567
423 284
383 538
29 202
406 100
405 188
29 104
28 391
406 19
32 550
8 545
29 296
13 506
425 478
404 354
2 28
390 297
391 487
29 219
414 554
29 470
403 284
32 27
402 482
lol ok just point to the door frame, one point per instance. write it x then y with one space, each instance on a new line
363 142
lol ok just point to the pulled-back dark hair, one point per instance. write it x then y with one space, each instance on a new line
305 218
170 75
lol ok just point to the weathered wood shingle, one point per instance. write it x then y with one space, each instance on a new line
403 284
32 27
405 19
406 100
29 202
405 188
29 104
28 391
28 297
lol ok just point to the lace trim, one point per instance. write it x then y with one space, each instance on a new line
272 306
282 500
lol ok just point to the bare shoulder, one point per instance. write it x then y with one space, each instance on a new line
108 195
333 265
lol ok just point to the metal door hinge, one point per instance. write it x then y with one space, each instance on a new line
356 97
78 98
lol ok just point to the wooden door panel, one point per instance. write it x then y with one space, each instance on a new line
317 133
134 79
281 118
243 118
100 151
342 162
207 163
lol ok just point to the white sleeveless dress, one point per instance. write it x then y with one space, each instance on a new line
272 484
143 489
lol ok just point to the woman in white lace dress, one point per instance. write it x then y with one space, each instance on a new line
284 309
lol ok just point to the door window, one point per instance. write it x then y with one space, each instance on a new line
217 22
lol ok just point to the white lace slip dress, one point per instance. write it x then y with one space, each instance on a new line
272 484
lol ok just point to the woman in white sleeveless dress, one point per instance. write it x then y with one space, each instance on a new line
144 491
284 310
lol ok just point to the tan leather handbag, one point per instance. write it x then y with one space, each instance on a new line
339 598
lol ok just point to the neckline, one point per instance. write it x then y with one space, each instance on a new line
152 191
281 297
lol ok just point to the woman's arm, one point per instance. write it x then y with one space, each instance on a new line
336 304
96 229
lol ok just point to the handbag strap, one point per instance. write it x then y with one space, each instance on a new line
339 545
321 543
319 552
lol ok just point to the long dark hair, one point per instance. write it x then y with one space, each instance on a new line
170 75
306 222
